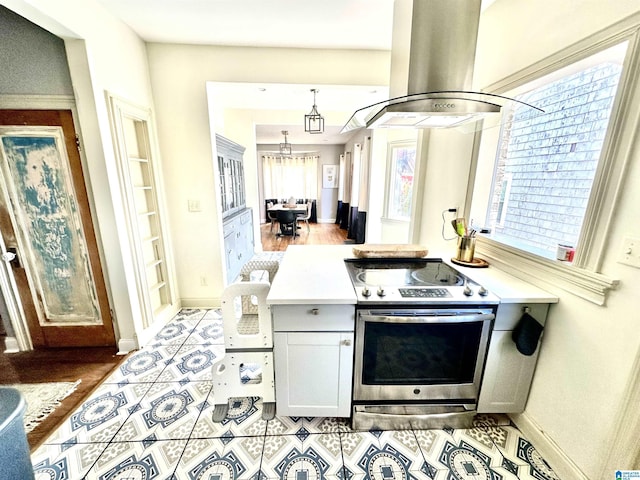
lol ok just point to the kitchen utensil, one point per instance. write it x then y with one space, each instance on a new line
461 227
454 224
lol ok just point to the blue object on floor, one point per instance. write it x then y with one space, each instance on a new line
15 460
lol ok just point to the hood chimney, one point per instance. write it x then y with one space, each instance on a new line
432 59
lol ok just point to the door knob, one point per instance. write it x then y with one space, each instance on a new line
11 256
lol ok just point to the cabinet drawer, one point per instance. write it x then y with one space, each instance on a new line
319 318
245 217
229 227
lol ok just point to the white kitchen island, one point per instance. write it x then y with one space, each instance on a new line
312 303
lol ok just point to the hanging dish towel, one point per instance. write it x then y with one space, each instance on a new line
526 334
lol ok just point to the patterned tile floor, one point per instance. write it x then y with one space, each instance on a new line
152 419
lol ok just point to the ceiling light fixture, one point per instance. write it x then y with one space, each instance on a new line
313 121
285 148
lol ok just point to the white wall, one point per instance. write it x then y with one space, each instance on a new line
179 74
587 352
445 156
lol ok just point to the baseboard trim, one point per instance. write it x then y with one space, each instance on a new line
125 345
11 345
564 467
201 303
326 220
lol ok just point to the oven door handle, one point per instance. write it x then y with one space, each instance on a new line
462 318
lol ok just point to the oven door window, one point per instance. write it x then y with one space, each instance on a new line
420 353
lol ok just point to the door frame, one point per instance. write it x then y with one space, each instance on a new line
8 287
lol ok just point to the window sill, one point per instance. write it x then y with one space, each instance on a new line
399 221
542 272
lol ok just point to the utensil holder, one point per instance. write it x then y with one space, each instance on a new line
466 249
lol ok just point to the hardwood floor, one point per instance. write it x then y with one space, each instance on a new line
90 365
319 234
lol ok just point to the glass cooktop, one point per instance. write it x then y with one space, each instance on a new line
425 272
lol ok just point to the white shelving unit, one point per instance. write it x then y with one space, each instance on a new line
141 185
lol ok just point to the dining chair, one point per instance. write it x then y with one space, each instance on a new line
271 216
305 218
288 223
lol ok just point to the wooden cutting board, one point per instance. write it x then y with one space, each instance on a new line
372 250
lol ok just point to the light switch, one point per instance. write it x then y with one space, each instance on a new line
194 206
630 252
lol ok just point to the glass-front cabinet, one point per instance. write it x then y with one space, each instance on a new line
237 219
231 176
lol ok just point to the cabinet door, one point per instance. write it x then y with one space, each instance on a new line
230 176
507 378
313 373
246 229
231 254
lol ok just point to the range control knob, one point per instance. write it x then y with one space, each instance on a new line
483 292
467 290
381 292
366 292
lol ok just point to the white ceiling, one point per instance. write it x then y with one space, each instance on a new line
342 100
359 24
260 23
341 24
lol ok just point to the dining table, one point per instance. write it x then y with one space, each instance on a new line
297 208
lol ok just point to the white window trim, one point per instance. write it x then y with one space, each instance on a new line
542 272
508 179
390 147
583 278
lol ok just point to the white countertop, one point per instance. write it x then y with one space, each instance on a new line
316 274
510 289
313 274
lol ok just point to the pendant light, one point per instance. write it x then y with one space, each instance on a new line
313 121
285 148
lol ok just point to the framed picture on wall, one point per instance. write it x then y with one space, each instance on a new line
329 176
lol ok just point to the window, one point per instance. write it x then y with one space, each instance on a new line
295 176
546 163
551 179
402 161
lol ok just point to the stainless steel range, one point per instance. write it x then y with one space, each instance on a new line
422 333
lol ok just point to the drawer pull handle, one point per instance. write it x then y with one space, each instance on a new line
315 311
346 343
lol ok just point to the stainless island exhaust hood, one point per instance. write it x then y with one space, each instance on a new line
432 59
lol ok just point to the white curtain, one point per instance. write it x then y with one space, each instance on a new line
295 176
